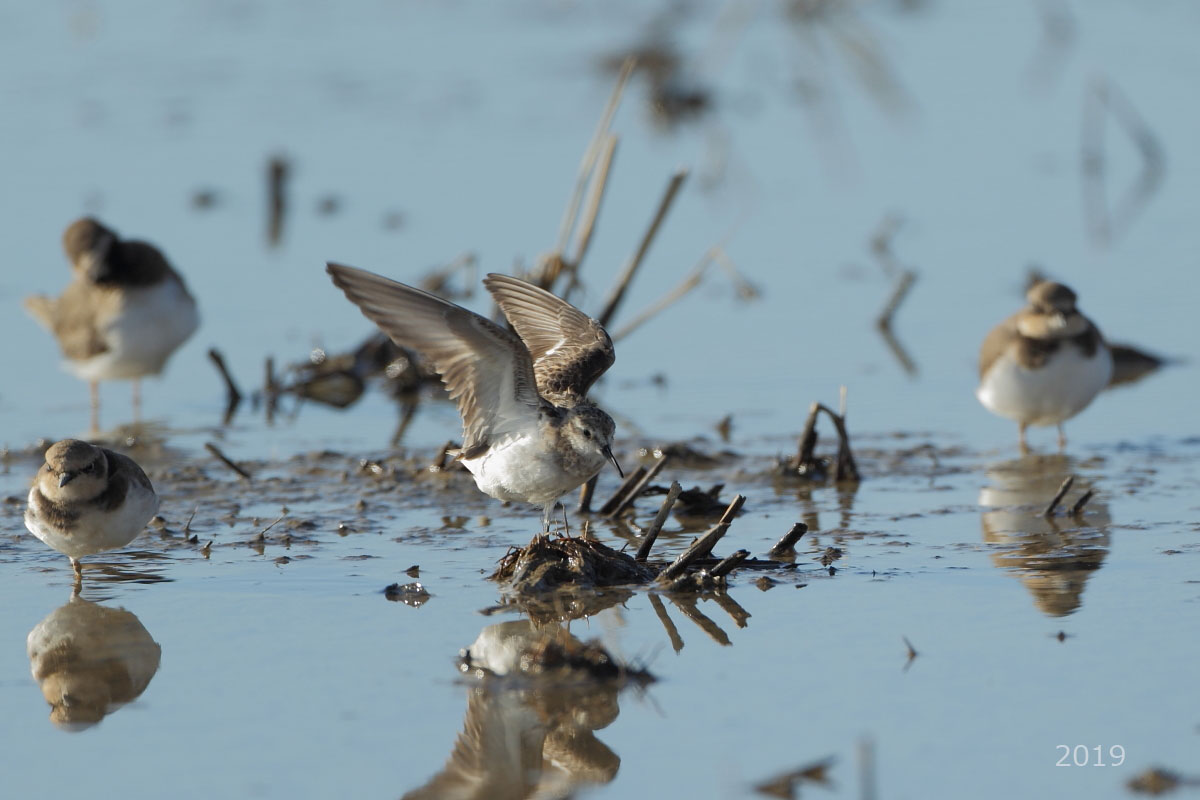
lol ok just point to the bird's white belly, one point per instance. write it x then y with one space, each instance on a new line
152 322
1059 390
97 530
523 469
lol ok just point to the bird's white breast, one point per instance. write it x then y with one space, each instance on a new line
150 324
96 529
1047 395
524 467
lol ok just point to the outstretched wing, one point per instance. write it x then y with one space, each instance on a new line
570 350
486 369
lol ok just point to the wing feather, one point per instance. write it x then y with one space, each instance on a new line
569 349
486 369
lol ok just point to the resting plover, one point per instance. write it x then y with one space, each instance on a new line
86 499
123 314
1044 364
529 433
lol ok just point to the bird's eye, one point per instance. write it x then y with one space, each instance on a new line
89 468
587 434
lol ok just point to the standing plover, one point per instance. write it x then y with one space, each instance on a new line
123 314
1044 364
529 432
86 499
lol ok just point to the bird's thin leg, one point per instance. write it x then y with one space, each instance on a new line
1062 438
566 522
1021 438
547 513
94 393
75 565
137 400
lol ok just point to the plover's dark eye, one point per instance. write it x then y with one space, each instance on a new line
587 434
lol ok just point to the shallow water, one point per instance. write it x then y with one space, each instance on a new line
285 672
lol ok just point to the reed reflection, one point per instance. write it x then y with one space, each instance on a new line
90 660
537 696
1052 555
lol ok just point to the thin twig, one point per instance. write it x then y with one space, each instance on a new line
591 211
626 485
188 527
270 391
1059 495
585 495
590 155
689 283
216 451
233 397
622 285
1077 509
637 488
655 526
902 286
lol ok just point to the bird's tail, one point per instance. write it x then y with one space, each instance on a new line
41 308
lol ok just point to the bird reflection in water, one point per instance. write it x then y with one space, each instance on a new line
90 660
1053 556
537 696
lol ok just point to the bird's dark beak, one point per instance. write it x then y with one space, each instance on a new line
66 478
609 455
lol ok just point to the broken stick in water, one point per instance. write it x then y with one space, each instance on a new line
636 490
224 459
233 397
1059 495
622 284
659 519
626 486
786 546
1077 509
703 546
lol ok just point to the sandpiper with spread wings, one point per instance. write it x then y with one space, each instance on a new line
529 432
1044 364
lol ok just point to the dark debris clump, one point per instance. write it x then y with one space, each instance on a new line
551 562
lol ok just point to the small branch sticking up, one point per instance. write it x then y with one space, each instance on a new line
689 283
1059 495
805 462
659 519
585 495
270 389
590 156
232 396
703 546
224 459
787 545
622 490
622 285
1077 509
636 489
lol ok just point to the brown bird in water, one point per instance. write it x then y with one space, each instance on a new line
123 313
1044 364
